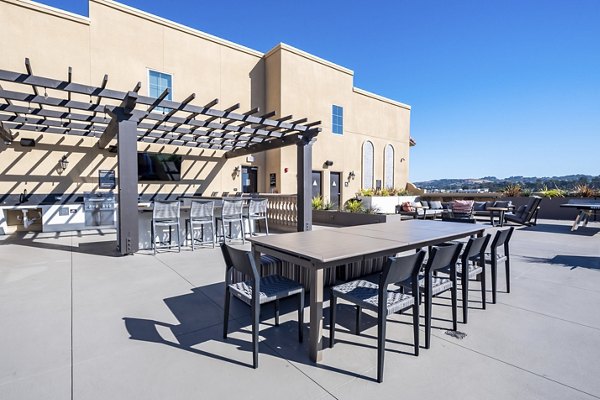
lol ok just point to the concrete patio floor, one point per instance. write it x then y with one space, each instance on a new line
79 324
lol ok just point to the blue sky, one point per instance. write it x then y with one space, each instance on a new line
499 88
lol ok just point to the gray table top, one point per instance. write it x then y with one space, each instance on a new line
335 244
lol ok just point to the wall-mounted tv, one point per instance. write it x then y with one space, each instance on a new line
158 167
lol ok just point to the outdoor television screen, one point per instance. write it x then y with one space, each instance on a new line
159 167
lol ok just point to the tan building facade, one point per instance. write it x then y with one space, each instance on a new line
370 148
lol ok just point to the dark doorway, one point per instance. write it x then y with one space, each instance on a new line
249 179
316 184
334 189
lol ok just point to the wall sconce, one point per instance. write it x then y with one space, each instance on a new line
351 175
63 163
236 172
328 163
402 159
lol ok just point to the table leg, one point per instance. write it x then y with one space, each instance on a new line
588 214
492 218
501 218
576 223
315 344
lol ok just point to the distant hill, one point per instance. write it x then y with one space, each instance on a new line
493 184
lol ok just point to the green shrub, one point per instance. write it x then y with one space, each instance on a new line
354 206
512 190
317 203
366 192
327 205
585 191
550 193
383 192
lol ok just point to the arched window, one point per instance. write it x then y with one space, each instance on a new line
368 158
388 156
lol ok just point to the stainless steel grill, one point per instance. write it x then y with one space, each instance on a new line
99 208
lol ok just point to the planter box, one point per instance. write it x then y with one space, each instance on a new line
550 208
385 204
340 218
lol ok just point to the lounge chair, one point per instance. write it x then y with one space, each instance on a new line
525 214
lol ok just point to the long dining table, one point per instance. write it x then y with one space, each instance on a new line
325 248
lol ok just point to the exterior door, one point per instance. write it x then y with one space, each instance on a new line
316 184
249 180
334 189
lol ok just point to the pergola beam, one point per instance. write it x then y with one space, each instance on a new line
271 144
127 106
136 119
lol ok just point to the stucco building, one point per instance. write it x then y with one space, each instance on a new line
364 142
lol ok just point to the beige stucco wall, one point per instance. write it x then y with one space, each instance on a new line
309 86
125 44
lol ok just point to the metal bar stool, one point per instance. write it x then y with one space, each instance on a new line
166 214
257 210
201 213
231 212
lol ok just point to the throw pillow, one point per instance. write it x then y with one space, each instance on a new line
435 205
407 206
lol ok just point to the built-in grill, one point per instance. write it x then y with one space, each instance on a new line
99 208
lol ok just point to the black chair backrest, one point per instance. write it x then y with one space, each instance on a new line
475 248
239 260
400 269
502 237
441 257
533 209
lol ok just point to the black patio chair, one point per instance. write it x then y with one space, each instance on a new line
379 298
525 214
257 291
442 259
473 264
500 242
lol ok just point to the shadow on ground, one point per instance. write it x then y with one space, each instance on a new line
565 229
568 261
40 240
201 320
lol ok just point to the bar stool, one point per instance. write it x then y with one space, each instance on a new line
201 213
231 212
257 210
166 213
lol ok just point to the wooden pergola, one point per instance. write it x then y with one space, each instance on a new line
128 118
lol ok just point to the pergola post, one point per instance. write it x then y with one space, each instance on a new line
126 134
304 176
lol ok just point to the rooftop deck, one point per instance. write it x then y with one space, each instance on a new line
79 324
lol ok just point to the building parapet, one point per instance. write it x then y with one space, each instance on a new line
380 98
43 8
174 25
301 53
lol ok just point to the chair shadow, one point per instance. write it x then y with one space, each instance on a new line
568 261
200 320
